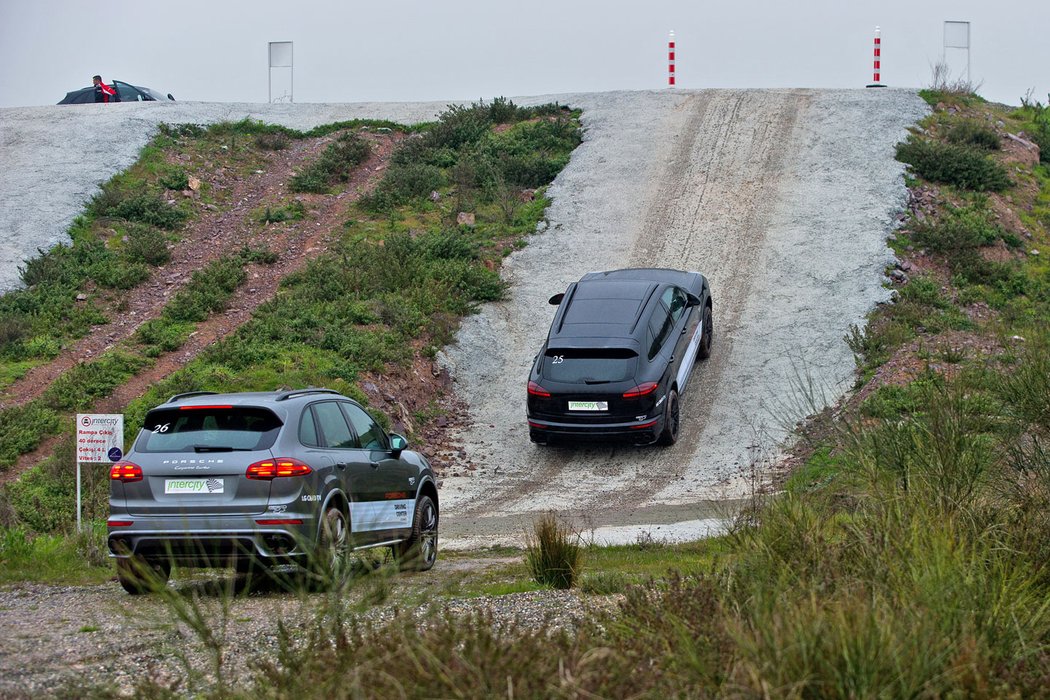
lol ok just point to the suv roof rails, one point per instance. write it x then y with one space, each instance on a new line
188 394
284 395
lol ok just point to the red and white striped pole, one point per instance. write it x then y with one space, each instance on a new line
670 60
878 59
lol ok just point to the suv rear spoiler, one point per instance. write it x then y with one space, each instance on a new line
188 394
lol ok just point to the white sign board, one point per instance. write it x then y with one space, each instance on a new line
100 437
956 35
280 54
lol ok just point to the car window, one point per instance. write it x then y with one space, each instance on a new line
127 93
675 300
308 429
198 429
589 365
369 435
660 327
335 433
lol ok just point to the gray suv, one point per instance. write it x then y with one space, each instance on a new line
262 479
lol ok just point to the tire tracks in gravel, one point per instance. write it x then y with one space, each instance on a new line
783 198
752 190
718 181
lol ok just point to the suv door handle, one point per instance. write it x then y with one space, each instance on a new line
340 465
374 465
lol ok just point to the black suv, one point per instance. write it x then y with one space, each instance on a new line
619 352
291 477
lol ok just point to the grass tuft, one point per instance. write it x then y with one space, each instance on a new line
554 553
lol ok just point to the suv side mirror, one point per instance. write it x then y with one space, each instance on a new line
397 444
556 299
694 300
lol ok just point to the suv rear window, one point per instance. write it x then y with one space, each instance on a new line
589 365
208 429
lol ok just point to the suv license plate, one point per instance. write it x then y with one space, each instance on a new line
588 405
204 486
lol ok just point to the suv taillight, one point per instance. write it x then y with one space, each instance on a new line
537 390
641 390
125 471
273 468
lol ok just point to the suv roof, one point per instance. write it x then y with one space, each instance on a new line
603 309
246 398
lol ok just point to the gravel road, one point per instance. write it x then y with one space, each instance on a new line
60 641
783 198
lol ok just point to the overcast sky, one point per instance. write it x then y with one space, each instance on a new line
349 51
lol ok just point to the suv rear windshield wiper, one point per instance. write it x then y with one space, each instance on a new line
219 448
597 381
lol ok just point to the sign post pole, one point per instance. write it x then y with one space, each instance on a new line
79 527
100 439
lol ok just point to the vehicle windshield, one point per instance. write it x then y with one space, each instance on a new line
208 429
589 365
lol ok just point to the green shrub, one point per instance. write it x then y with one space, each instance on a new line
117 274
275 141
293 211
142 208
403 182
146 244
553 553
22 428
458 126
334 165
1025 389
208 290
603 583
78 387
962 166
175 179
960 228
972 133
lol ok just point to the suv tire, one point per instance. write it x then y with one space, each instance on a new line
708 331
333 543
138 575
419 552
672 421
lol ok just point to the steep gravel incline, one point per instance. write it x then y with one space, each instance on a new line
784 199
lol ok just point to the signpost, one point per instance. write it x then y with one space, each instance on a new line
281 65
956 39
100 439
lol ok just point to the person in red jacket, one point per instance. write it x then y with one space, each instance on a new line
103 92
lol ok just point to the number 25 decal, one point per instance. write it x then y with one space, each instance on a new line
558 359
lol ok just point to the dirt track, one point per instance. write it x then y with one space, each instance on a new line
784 200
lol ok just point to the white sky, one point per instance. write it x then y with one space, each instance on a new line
353 51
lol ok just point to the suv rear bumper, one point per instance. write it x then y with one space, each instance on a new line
644 432
212 541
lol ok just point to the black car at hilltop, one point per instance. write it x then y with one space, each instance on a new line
126 92
619 353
